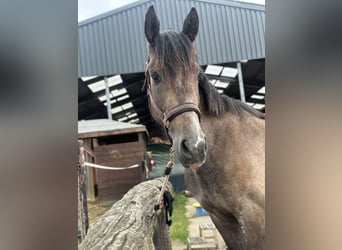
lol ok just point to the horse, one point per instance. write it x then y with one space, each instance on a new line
219 140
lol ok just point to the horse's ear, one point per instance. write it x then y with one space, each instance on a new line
151 25
191 24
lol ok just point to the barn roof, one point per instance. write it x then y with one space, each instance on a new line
114 42
105 127
113 45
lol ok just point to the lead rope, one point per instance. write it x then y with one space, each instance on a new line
166 179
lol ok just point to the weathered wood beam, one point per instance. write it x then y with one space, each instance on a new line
131 223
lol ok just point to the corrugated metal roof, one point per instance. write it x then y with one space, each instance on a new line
114 42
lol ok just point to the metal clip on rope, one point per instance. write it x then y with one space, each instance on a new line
166 179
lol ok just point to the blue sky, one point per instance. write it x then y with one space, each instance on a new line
90 8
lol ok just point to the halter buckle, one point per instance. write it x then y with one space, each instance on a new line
166 121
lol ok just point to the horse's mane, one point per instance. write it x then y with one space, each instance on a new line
218 104
175 52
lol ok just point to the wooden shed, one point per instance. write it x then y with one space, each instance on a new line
118 145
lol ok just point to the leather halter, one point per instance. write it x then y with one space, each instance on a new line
167 116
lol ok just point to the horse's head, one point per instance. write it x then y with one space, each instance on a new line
172 85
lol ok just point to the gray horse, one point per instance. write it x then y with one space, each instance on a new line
219 140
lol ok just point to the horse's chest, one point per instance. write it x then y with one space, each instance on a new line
205 191
194 184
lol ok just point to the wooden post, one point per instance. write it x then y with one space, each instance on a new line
132 223
89 157
82 190
90 179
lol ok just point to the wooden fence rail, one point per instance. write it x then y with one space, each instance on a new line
131 222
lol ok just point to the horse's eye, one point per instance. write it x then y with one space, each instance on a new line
156 76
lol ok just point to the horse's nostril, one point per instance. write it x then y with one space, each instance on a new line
185 145
205 143
186 150
192 149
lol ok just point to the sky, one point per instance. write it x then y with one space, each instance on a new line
90 8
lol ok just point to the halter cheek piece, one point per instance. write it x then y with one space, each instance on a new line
167 116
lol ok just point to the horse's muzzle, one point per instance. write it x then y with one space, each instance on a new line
192 151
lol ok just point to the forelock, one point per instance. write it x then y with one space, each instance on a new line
175 53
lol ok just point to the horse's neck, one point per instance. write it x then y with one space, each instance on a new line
235 148
221 132
233 141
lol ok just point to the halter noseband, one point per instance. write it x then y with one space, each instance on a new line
167 117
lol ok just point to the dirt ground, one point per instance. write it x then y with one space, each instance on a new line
96 210
195 221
